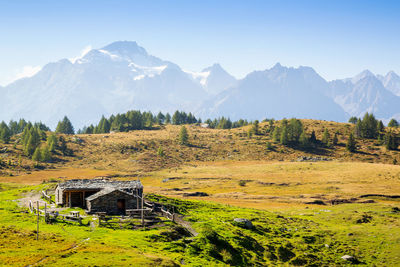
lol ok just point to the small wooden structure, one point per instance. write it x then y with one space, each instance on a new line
100 195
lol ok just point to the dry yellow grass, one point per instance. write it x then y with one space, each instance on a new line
277 184
218 159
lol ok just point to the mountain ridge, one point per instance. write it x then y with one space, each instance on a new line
122 76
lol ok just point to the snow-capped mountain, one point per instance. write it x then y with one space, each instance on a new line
116 78
276 93
122 76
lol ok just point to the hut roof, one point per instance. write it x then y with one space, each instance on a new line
98 184
104 192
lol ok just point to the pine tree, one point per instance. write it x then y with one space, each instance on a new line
183 136
393 123
167 118
52 142
37 155
358 129
276 135
5 135
63 145
381 127
326 137
335 139
390 141
284 140
45 154
255 127
353 120
351 143
313 138
65 126
303 140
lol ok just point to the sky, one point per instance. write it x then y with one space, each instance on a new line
337 38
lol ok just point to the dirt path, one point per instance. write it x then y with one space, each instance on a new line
31 196
185 224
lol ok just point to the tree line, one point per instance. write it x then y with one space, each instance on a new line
137 120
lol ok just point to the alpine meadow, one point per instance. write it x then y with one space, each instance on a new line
135 153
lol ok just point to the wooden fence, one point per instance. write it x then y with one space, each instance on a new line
46 196
54 215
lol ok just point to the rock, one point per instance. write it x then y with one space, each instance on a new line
195 194
245 222
347 257
350 259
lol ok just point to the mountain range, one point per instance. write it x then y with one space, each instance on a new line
123 76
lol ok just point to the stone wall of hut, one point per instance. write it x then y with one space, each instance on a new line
109 203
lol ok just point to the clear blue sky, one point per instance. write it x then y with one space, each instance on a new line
337 38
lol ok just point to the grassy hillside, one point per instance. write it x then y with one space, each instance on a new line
136 152
312 237
304 212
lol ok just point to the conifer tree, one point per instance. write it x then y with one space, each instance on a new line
63 145
276 135
255 127
313 138
381 127
351 143
65 126
284 140
303 140
390 141
52 142
45 154
167 118
326 137
5 134
183 136
37 155
335 139
353 120
393 123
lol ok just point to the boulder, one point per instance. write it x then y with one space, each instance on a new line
244 222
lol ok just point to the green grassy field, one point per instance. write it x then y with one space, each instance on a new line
312 237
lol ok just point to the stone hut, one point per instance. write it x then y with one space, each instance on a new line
100 195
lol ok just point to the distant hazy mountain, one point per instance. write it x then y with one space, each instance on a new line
123 76
391 82
276 93
366 93
214 79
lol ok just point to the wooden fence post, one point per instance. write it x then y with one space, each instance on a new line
142 213
45 213
38 215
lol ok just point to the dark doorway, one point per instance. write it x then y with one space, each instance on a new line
121 206
76 199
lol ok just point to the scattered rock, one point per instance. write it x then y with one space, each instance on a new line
195 194
314 159
395 210
316 202
350 259
244 222
347 257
